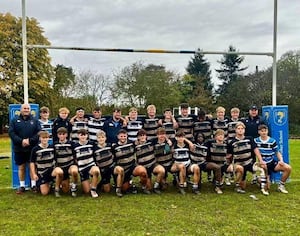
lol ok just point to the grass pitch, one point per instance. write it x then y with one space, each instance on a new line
166 214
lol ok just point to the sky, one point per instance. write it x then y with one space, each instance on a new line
211 25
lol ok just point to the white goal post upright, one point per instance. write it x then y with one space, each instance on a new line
26 47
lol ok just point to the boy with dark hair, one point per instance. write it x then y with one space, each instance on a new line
86 164
64 158
169 123
272 160
45 123
163 152
144 151
186 121
79 121
124 157
112 126
95 124
182 162
42 166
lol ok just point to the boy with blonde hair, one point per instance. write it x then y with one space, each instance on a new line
61 121
42 166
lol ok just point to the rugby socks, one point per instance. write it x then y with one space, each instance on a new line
263 181
33 183
22 184
156 185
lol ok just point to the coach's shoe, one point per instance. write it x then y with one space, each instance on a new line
94 194
240 190
218 190
20 190
281 188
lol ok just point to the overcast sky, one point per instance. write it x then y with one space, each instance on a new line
211 25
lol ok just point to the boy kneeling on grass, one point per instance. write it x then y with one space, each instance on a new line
42 166
271 160
87 167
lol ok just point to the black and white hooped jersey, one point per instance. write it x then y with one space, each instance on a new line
47 126
231 128
151 125
63 153
133 126
199 154
163 153
84 155
217 152
124 155
203 127
169 127
187 125
181 154
145 154
43 158
77 125
103 156
219 124
242 150
94 126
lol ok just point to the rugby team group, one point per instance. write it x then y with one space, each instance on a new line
106 153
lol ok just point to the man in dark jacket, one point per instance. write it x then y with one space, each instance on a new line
23 131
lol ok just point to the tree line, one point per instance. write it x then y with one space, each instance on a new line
138 84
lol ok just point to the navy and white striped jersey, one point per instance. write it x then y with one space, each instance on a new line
104 156
199 154
133 126
77 125
242 150
217 152
124 155
181 154
43 158
267 148
163 153
203 127
84 155
231 128
151 125
219 124
169 127
94 126
63 153
145 154
187 125
47 126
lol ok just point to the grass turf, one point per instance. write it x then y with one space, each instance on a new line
166 214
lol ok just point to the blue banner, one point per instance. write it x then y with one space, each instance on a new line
277 120
14 110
